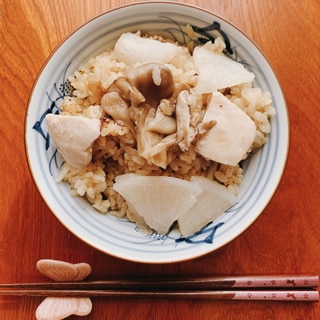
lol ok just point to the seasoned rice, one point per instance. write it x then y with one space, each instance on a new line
115 151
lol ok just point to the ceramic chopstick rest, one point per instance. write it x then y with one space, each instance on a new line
56 308
63 271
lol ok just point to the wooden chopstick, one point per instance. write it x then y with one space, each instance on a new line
191 283
262 295
271 287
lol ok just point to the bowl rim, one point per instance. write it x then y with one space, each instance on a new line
143 3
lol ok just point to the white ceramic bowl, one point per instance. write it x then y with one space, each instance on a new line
118 237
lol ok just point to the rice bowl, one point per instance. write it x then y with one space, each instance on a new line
116 235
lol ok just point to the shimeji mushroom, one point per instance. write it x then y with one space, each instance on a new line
134 98
154 81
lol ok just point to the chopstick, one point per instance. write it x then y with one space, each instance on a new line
257 287
264 295
191 283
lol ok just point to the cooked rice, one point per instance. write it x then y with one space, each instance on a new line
115 151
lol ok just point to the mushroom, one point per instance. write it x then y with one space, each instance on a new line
146 139
185 132
158 154
153 80
167 107
203 127
127 90
162 123
144 85
115 106
134 97
180 87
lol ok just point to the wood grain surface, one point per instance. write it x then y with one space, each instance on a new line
285 238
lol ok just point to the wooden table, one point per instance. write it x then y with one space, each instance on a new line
286 237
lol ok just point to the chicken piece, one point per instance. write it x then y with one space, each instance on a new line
115 106
73 136
153 80
230 138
